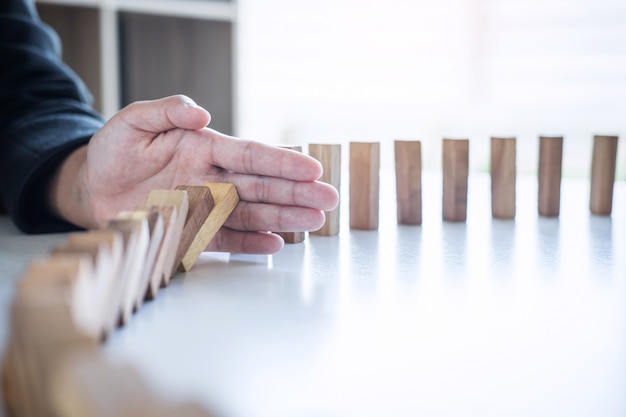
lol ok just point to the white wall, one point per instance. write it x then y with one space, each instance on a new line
341 70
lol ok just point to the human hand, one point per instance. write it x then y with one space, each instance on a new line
164 143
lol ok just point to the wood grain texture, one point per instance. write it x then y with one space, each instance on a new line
408 164
602 174
364 185
503 177
329 155
225 199
180 200
549 177
455 174
201 202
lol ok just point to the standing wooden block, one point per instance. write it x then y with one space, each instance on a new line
455 173
173 232
550 160
603 174
200 205
503 173
225 199
330 158
297 236
409 181
364 184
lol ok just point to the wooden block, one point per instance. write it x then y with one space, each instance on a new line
43 333
603 174
201 202
174 232
87 384
135 239
137 287
455 173
225 199
330 158
107 267
155 278
550 160
71 277
364 184
503 175
409 181
297 236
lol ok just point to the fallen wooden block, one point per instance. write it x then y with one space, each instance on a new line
87 384
550 160
408 155
70 277
162 199
43 332
137 286
503 175
455 174
107 267
364 185
330 158
135 238
603 174
225 200
201 202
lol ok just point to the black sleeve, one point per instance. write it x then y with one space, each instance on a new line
45 114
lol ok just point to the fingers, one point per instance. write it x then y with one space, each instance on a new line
168 113
259 189
234 241
248 157
257 216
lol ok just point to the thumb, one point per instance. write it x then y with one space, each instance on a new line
164 114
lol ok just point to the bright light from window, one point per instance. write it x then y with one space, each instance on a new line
342 70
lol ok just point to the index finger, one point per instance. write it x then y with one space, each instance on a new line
256 158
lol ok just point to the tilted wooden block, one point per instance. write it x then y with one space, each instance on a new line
503 176
173 231
455 173
154 279
330 158
108 265
364 184
138 286
135 239
201 202
43 332
297 236
225 199
550 160
603 174
86 384
408 155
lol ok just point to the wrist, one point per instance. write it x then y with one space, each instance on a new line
68 195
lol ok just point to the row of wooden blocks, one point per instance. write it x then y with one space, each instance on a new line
364 179
70 301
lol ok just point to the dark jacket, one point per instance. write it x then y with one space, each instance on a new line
45 113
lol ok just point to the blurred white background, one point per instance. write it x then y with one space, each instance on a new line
344 70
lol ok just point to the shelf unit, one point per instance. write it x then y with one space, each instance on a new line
129 50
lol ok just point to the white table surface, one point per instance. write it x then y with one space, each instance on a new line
483 318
